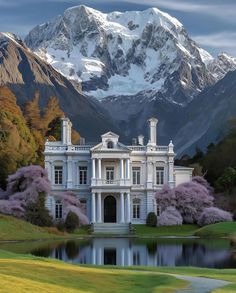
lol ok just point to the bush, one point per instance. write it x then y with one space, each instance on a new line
165 197
151 220
170 217
214 215
37 214
60 225
192 198
72 222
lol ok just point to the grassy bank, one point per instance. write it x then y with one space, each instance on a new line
12 229
226 229
185 230
31 274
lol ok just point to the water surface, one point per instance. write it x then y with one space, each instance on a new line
127 252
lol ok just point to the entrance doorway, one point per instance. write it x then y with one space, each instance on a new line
110 209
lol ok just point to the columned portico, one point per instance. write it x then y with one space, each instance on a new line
110 208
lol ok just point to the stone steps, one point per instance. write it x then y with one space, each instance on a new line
111 228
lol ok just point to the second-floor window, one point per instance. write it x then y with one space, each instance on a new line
159 175
110 175
83 171
58 175
136 175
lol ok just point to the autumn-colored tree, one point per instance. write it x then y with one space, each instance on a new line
51 111
17 144
32 113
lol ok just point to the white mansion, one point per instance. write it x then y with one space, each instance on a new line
115 183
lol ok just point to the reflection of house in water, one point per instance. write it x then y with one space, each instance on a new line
128 252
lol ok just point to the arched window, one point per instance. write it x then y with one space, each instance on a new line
58 209
110 145
136 208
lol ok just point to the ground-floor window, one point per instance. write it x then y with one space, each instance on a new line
83 203
58 210
136 208
136 258
158 210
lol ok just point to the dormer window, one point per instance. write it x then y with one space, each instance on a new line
110 145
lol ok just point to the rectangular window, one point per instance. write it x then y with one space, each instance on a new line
83 170
159 175
84 205
58 174
58 210
136 211
136 175
110 175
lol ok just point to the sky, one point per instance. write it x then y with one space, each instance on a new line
211 23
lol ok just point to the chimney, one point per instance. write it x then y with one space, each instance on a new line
82 141
66 130
134 141
152 131
140 139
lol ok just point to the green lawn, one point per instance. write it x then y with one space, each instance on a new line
226 229
15 229
220 274
32 274
185 230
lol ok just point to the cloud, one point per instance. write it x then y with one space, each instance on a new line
224 11
226 41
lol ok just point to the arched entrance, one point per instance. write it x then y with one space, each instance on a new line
110 209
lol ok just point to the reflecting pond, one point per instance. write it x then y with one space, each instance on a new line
125 251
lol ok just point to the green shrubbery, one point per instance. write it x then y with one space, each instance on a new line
151 220
37 214
71 222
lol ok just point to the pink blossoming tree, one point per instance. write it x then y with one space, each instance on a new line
170 217
214 215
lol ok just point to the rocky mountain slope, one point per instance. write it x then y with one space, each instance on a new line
206 119
141 64
123 54
24 72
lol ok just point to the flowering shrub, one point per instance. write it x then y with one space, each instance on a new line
191 199
71 203
170 217
202 181
214 215
27 183
165 197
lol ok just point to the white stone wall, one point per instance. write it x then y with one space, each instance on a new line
148 157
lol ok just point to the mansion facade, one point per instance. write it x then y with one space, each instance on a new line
115 183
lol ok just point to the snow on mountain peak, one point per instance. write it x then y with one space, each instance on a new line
124 53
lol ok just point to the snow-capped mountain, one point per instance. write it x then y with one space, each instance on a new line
25 73
221 65
123 54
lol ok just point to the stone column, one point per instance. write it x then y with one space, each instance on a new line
128 169
122 208
100 169
93 255
99 208
93 208
94 168
69 181
171 172
121 169
128 207
122 256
